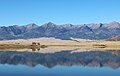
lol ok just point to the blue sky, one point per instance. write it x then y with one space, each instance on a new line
22 12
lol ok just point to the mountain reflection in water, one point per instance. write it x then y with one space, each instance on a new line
64 58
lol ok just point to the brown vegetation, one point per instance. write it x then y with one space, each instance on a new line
56 43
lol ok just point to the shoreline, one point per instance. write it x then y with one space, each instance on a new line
85 45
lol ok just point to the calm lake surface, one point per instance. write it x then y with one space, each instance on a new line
64 63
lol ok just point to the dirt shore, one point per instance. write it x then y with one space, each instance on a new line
52 43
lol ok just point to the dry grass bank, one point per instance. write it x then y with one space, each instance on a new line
57 43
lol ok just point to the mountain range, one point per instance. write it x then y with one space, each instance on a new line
65 31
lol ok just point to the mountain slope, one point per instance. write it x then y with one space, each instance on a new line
65 31
12 32
116 38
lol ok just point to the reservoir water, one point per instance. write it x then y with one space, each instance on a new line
64 63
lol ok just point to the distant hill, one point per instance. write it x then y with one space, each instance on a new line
116 38
65 31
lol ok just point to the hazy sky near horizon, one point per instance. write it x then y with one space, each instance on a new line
22 12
